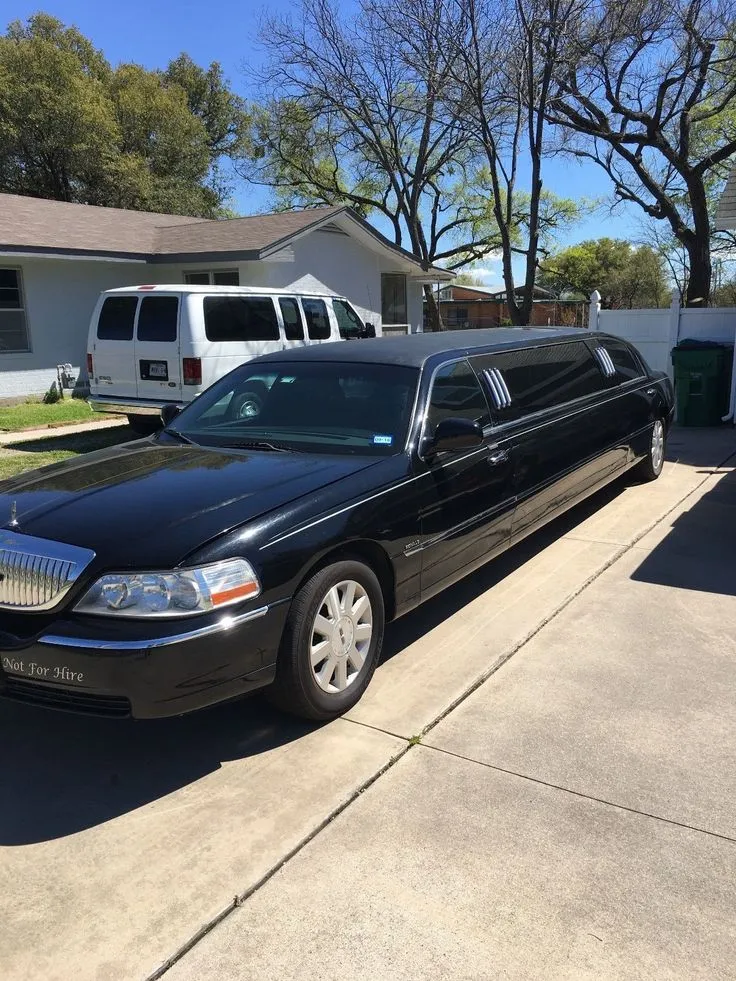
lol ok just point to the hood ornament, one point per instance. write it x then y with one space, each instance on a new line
14 523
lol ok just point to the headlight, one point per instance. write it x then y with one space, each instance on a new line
180 593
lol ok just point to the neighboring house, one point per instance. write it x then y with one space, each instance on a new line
726 211
55 259
480 306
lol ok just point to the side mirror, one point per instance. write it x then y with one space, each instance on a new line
368 331
452 435
169 412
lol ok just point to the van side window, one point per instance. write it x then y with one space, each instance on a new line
456 393
116 318
157 318
541 378
293 326
348 320
240 318
625 362
318 323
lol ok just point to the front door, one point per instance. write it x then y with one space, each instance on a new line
158 365
467 502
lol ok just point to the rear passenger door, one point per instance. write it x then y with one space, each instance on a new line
546 406
113 356
626 380
158 365
468 498
292 321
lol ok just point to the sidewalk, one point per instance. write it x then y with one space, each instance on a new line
572 818
48 432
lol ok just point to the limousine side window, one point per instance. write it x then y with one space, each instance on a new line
293 326
624 360
240 318
456 393
539 378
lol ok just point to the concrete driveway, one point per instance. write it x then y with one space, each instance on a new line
567 812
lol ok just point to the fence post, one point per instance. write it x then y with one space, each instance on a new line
674 335
594 310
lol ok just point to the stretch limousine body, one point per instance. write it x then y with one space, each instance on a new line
233 551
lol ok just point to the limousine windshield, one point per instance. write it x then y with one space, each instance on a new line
305 406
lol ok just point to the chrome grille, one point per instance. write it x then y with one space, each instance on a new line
36 574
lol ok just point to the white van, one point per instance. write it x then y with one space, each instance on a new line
153 345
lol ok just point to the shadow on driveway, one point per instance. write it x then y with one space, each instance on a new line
699 551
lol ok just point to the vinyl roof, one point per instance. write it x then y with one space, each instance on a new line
414 350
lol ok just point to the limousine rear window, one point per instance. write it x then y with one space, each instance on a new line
624 360
538 378
240 318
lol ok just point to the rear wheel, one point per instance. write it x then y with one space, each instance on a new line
144 425
651 466
332 642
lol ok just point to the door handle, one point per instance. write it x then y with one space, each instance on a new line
651 391
498 456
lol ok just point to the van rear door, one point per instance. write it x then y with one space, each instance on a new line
112 348
157 361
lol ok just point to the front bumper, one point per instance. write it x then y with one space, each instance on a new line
142 669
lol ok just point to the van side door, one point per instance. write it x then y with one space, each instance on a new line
317 317
292 322
156 349
112 348
467 502
549 418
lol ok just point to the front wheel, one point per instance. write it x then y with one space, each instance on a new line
651 466
332 642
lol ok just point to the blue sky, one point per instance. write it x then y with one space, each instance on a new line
152 32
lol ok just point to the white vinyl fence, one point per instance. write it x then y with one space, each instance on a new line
656 332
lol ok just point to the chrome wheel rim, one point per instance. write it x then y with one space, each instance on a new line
341 636
657 446
249 409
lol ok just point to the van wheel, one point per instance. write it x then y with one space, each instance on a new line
651 466
248 406
145 425
332 642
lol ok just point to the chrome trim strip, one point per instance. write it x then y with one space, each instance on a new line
504 386
495 392
85 643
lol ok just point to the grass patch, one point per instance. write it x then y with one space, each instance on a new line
34 414
31 454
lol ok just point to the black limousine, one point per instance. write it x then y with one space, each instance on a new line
271 529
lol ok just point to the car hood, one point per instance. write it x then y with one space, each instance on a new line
146 504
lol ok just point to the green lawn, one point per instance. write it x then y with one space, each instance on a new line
30 454
36 415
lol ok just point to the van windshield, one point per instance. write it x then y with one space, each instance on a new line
303 406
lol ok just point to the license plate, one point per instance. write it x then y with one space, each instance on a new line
157 369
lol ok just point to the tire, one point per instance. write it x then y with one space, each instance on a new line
248 406
651 466
322 621
145 425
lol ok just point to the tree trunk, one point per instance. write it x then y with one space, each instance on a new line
434 318
697 244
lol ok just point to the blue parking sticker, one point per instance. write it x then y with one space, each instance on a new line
383 440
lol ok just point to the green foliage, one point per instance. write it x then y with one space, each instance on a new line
626 276
53 395
73 128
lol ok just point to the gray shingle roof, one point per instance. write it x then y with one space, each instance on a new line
726 211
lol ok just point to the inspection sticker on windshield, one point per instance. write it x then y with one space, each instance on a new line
383 440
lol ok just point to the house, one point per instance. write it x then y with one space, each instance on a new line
56 257
480 306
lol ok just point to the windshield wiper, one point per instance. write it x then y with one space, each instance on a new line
260 444
181 436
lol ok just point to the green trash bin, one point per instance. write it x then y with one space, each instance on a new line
702 381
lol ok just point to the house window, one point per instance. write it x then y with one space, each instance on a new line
393 299
213 277
13 324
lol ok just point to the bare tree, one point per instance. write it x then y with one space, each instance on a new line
503 55
648 86
358 114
